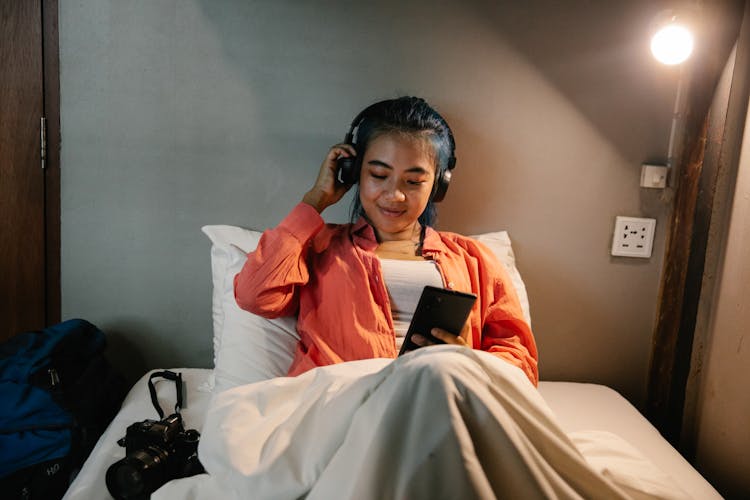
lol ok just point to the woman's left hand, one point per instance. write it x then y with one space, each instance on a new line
445 336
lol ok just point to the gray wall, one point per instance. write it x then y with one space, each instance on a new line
723 403
177 114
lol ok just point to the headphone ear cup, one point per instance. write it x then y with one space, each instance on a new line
441 185
347 170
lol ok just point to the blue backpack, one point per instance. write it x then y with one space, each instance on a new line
58 395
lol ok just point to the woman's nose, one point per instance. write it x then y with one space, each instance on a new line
393 193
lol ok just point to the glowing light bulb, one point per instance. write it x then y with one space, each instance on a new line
672 44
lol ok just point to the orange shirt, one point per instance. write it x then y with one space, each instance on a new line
330 278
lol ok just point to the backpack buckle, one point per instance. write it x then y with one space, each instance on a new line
54 378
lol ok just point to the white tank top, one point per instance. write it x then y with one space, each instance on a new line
404 280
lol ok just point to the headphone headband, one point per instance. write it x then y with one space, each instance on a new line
349 139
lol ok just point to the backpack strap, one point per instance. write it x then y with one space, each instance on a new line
176 378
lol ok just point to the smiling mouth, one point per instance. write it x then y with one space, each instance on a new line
391 213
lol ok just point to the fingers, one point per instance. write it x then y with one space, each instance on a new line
339 150
421 340
447 337
440 334
327 189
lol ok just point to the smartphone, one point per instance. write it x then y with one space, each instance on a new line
438 308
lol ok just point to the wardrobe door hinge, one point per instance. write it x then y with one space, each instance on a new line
43 136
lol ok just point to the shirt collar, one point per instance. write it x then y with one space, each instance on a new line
363 235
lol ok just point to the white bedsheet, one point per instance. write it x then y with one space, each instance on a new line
89 484
583 407
444 422
579 408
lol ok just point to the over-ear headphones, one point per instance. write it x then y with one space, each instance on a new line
349 168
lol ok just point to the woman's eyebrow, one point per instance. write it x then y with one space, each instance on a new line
378 163
415 169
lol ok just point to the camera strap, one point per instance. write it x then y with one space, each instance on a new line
176 378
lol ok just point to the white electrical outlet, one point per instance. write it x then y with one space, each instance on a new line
633 237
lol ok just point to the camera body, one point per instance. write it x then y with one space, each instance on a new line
168 433
156 451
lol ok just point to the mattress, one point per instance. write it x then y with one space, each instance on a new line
586 407
578 406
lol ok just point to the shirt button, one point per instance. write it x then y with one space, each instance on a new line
450 285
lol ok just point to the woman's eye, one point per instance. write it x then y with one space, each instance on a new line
381 177
416 183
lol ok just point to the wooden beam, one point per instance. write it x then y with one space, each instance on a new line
715 109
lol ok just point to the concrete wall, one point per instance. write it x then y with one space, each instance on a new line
177 114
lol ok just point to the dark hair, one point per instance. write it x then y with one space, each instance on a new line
411 116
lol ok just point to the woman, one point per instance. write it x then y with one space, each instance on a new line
355 286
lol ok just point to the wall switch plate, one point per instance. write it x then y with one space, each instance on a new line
654 176
633 237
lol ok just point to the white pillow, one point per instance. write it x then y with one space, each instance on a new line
499 243
249 348
223 239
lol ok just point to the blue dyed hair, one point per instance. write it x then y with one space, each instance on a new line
413 117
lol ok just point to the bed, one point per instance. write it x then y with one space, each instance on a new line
615 439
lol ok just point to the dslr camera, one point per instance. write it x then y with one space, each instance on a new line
156 451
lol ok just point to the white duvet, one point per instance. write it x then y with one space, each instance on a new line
442 422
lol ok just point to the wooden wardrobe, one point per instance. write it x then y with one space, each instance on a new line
29 166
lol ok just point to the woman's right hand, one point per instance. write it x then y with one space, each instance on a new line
327 189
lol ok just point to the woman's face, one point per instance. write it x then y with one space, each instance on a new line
398 172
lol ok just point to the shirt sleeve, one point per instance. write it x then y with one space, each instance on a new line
269 282
505 332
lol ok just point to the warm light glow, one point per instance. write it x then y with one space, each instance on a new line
672 44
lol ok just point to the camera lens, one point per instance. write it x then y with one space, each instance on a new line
129 481
138 475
